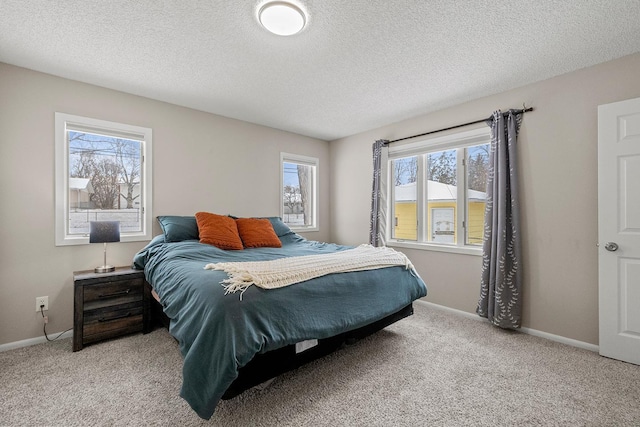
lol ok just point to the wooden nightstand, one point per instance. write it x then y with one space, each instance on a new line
108 305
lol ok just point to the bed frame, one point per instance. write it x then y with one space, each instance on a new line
266 366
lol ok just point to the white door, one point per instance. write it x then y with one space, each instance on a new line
619 229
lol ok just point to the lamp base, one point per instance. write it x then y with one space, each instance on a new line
104 269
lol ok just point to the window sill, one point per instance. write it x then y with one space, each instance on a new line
71 240
304 229
464 250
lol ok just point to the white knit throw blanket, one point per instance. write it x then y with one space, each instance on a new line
287 271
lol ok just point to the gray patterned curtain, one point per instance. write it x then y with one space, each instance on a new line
376 226
500 294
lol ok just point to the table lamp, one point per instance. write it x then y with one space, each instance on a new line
104 232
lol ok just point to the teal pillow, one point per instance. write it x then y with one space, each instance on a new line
279 227
179 228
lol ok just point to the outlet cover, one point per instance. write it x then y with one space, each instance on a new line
42 301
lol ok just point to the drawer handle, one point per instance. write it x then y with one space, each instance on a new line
103 319
115 294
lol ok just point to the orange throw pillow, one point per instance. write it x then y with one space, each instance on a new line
257 233
218 230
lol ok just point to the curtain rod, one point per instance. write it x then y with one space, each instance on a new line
523 110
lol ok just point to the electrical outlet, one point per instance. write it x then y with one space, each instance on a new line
42 301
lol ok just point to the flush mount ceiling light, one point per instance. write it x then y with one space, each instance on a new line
282 18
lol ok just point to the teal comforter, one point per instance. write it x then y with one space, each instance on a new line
218 333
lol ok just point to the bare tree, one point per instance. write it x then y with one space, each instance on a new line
291 197
107 162
478 171
478 168
441 167
405 170
129 168
105 184
85 167
305 197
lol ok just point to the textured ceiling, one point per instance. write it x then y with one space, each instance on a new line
357 65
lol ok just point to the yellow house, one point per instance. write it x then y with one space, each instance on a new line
441 213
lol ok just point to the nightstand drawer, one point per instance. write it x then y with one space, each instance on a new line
111 329
111 320
114 293
106 314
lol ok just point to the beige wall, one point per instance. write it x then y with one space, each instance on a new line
208 162
558 176
200 162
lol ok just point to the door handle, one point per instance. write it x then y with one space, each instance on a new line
611 246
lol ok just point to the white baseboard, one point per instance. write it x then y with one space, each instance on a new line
534 332
561 339
529 331
34 341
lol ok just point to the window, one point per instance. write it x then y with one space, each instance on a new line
426 208
299 183
103 173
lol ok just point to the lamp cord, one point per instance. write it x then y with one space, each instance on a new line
45 328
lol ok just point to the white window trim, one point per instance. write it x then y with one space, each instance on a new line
440 247
305 160
62 120
457 140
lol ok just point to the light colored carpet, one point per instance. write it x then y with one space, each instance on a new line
435 368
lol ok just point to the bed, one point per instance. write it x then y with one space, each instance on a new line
233 341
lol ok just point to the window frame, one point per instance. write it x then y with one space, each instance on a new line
458 140
314 162
65 122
